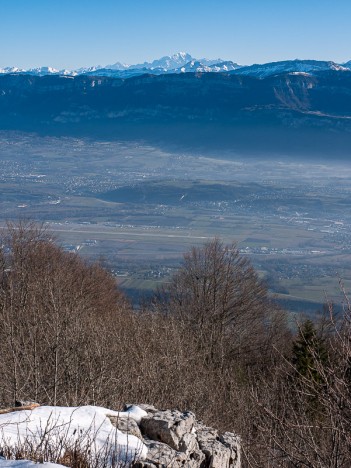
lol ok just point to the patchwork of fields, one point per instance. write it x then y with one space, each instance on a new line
140 208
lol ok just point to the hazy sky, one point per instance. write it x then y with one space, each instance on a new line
75 33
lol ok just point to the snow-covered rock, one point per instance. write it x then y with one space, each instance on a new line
140 436
85 426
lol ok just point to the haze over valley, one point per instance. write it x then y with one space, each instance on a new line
140 208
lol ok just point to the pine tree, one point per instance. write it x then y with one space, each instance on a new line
309 353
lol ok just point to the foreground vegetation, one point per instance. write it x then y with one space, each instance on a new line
211 341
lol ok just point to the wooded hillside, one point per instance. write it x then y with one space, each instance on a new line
212 341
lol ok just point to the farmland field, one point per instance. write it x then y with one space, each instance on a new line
140 208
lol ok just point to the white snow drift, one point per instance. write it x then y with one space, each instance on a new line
70 426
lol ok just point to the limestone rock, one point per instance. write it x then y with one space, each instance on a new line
126 425
173 428
163 455
175 439
233 442
221 451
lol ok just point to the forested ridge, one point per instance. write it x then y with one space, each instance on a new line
212 341
295 114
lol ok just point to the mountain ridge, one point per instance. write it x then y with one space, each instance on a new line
183 62
282 112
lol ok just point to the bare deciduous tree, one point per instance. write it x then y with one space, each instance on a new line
53 307
220 296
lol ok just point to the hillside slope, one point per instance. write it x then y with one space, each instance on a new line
286 112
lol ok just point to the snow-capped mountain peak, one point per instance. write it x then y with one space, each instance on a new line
84 70
44 71
38 71
289 66
118 66
168 62
11 70
183 62
206 66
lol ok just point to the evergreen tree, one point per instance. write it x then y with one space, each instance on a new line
309 353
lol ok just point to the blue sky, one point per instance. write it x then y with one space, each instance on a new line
74 33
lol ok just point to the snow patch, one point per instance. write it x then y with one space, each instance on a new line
26 464
84 425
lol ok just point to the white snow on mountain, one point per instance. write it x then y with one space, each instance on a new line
39 71
193 66
85 70
11 70
45 71
182 62
167 62
203 67
118 66
299 73
210 62
288 66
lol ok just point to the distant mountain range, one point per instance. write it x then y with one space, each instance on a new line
300 107
183 62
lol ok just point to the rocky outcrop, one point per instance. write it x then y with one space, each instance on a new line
170 438
176 439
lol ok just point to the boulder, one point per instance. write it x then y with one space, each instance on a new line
173 428
221 451
126 425
162 455
233 442
175 439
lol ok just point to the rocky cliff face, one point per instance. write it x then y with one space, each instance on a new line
220 109
199 96
175 439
